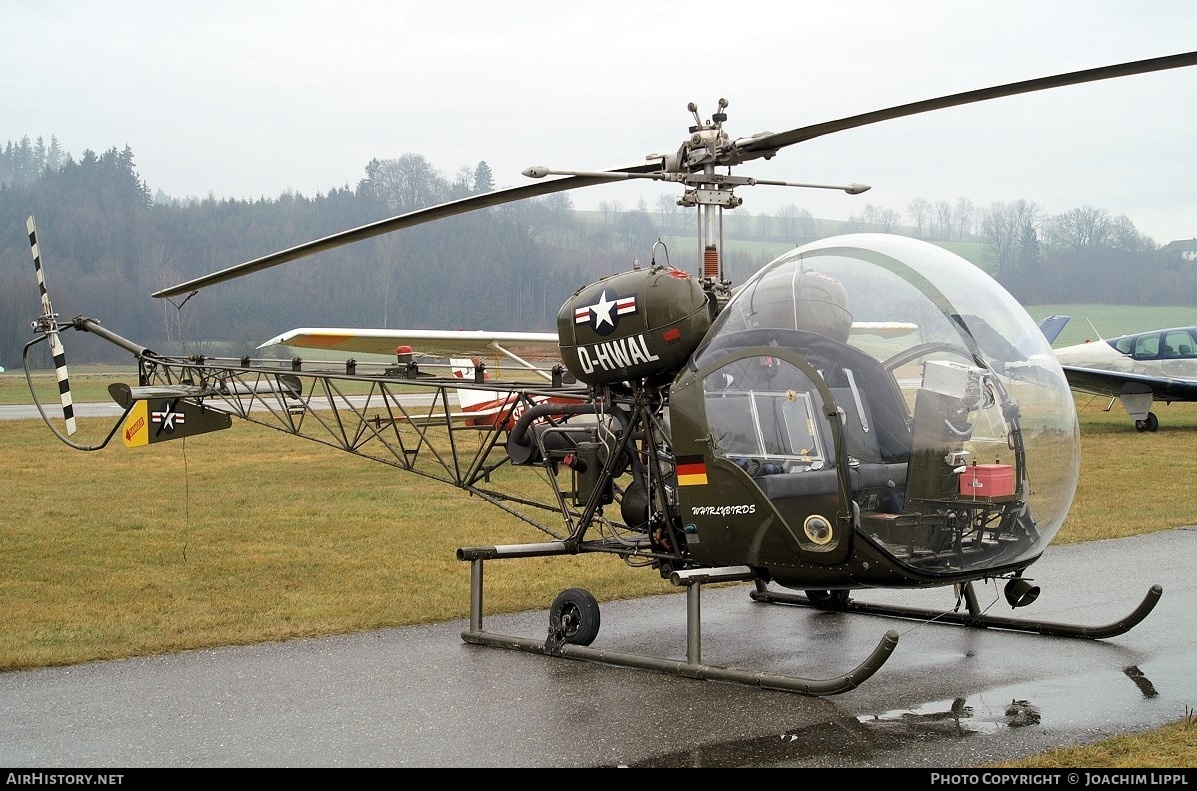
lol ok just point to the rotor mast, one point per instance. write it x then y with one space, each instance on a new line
710 194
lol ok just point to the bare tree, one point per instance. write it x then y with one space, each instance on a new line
806 224
740 221
407 183
463 184
1125 236
874 218
943 219
869 219
963 217
787 220
1000 231
1005 228
667 208
1082 228
610 210
919 210
563 223
636 232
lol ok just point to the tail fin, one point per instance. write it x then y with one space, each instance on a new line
48 324
1052 326
472 400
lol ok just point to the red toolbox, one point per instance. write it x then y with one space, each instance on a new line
987 480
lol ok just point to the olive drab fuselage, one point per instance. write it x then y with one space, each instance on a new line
642 324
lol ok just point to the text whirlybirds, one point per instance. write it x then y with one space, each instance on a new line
866 411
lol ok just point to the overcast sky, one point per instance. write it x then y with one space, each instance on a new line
249 99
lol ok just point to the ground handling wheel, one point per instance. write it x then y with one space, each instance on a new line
574 617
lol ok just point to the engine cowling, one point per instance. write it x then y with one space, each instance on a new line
642 324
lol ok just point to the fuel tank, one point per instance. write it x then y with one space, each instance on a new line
642 324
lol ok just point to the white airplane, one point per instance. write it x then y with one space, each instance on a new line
466 349
1137 369
536 352
521 348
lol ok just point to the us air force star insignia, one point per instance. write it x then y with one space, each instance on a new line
604 314
167 418
602 311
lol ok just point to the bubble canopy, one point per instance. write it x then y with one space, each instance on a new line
939 379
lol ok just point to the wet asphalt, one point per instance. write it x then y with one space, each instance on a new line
949 696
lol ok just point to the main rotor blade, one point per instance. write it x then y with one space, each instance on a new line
417 217
760 146
782 139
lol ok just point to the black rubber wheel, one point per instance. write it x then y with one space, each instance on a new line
829 600
575 612
1153 423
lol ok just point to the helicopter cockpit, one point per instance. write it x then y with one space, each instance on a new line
875 398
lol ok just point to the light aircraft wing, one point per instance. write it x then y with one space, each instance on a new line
884 329
519 347
440 343
478 407
447 343
1119 383
1156 365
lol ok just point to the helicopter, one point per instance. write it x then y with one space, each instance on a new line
866 411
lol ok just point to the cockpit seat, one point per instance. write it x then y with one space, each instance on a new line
879 487
799 484
866 479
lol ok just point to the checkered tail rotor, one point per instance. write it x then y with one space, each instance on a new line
48 324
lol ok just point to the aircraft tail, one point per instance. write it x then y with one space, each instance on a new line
1052 326
166 417
469 399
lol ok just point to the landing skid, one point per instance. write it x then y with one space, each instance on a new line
692 667
975 616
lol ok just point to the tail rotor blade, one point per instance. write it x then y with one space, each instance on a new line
49 324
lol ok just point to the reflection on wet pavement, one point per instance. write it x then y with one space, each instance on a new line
859 739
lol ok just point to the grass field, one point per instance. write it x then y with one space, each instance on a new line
1091 322
250 535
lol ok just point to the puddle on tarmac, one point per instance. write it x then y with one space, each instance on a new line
1128 701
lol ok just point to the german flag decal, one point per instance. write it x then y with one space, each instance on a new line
691 471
